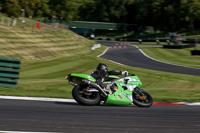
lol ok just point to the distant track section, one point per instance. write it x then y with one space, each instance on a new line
133 56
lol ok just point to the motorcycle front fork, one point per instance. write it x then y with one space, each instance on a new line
139 94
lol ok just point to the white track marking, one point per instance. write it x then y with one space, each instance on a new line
23 132
103 52
117 63
38 99
196 103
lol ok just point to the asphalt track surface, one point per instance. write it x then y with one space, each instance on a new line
132 56
66 117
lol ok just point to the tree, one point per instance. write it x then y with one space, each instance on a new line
192 17
105 11
42 9
168 16
11 8
66 9
28 6
165 15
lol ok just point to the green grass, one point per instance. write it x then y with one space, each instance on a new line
193 37
41 44
48 56
174 56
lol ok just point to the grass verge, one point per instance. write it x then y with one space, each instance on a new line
174 56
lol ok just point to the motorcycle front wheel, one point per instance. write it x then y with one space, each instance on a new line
142 101
85 98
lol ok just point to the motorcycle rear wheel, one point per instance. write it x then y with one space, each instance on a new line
142 101
84 98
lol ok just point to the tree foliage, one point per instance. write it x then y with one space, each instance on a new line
105 10
165 15
65 9
11 7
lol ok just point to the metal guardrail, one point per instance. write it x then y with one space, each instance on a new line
140 40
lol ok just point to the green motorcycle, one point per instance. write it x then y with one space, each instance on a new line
115 90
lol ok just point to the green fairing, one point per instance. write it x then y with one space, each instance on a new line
118 98
113 76
107 82
110 76
85 76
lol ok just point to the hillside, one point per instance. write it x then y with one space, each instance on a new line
47 56
25 44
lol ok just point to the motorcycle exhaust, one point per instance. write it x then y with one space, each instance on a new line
93 84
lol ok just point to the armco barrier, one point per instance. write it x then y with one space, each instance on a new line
179 46
9 72
195 52
192 41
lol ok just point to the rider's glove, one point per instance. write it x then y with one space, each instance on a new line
125 73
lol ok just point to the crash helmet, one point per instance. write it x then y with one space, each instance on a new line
102 68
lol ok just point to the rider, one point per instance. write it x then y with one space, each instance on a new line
102 73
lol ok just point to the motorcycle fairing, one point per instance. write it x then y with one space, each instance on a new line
123 96
132 80
76 79
118 98
113 76
84 76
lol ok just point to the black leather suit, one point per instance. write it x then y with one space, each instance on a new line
100 77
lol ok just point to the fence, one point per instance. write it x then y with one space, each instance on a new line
25 23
